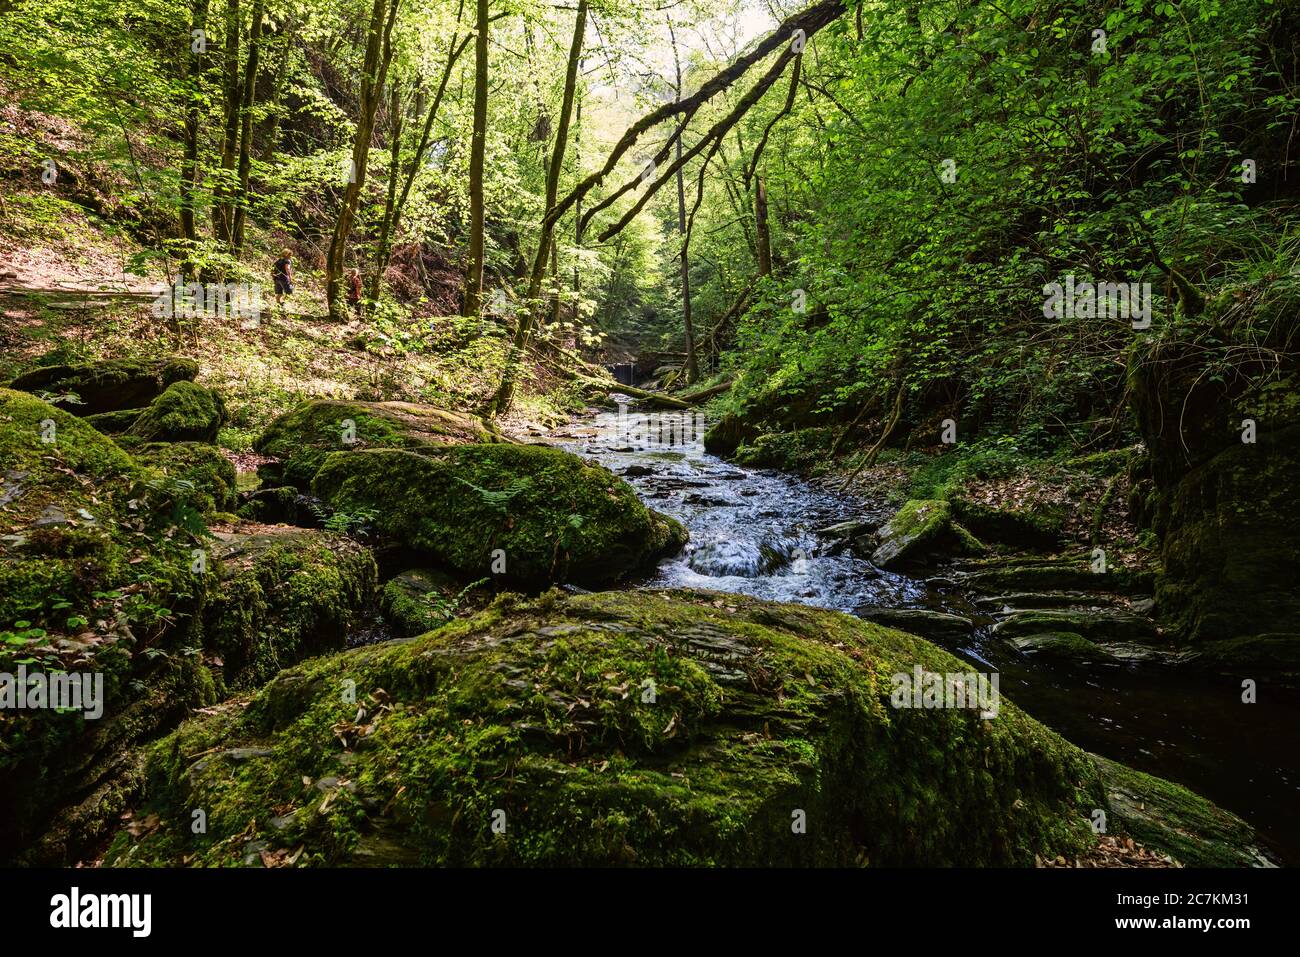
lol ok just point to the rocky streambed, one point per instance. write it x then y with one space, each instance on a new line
1077 649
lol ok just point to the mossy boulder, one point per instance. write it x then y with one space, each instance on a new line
283 504
1037 529
422 599
110 385
283 596
106 569
1095 624
202 465
727 435
302 438
1222 476
524 514
923 528
617 728
185 412
114 423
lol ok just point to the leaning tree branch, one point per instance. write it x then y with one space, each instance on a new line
810 21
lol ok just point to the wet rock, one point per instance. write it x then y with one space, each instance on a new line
920 530
935 625
1063 646
1093 624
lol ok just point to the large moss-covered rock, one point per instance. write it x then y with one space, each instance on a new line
283 595
618 728
202 465
1167 816
727 434
106 570
525 514
302 438
919 529
110 385
185 412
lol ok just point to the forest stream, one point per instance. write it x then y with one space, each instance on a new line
756 532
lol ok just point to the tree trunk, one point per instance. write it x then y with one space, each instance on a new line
761 229
193 114
692 368
390 201
246 123
473 299
379 53
501 401
390 226
221 212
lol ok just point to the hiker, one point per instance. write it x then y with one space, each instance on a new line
282 273
354 291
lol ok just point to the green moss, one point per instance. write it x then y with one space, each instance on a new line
185 412
1170 818
921 528
302 438
422 599
282 597
211 473
110 385
543 711
112 423
552 516
1019 528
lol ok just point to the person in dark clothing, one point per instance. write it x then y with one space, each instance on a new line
354 291
282 273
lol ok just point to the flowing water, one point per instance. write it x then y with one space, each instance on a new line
754 531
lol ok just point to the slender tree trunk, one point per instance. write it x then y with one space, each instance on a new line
577 215
501 401
390 226
246 124
761 228
221 213
193 114
473 299
379 53
390 202
271 139
692 369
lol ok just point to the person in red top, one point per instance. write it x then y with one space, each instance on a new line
354 291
